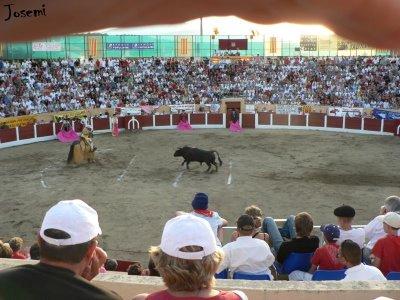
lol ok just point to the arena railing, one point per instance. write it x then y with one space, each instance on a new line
33 133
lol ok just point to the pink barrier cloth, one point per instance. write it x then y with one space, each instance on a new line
184 126
67 136
235 127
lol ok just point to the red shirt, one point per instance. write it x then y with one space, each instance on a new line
18 255
325 258
388 250
164 295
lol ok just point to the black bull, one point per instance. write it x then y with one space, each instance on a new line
190 154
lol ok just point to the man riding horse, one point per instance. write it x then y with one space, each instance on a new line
83 150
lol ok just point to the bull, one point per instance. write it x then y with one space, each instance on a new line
190 154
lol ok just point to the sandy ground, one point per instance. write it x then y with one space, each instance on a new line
136 183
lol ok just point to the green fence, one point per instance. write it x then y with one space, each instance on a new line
84 46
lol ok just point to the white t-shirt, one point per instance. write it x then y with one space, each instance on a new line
247 255
363 272
357 235
374 231
215 222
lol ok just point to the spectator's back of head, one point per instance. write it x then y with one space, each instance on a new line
34 251
245 225
68 230
351 252
304 224
111 265
16 243
5 250
188 256
256 213
392 203
135 269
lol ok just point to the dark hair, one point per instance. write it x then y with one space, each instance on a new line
351 252
111 265
34 251
72 254
304 224
135 268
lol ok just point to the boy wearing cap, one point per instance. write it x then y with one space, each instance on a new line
200 209
345 215
325 257
187 260
69 258
246 254
386 252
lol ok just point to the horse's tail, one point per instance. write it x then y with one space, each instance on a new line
71 152
219 159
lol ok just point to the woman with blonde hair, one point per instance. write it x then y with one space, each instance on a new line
256 213
187 260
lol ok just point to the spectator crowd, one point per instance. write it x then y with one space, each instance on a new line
191 254
39 86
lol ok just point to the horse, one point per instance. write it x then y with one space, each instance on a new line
81 151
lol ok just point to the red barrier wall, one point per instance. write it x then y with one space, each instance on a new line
334 122
248 121
353 123
58 127
316 119
391 126
44 129
197 119
280 119
215 119
26 132
177 117
145 121
372 124
264 118
101 123
78 126
298 120
162 120
8 135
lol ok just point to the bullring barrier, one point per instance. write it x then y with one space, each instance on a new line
33 133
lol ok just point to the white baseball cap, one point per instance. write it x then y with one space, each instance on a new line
74 217
392 219
188 230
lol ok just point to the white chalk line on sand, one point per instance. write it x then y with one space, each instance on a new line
103 150
175 184
42 180
120 177
230 174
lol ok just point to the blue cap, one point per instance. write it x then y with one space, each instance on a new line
200 201
331 232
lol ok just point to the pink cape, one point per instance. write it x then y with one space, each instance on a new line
115 129
235 127
184 126
67 136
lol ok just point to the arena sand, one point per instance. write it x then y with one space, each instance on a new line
136 183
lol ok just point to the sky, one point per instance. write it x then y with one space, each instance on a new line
226 26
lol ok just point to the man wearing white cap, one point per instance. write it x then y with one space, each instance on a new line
385 254
69 258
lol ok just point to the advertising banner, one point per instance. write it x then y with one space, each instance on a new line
130 111
288 109
182 107
46 46
350 112
17 121
386 114
129 46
